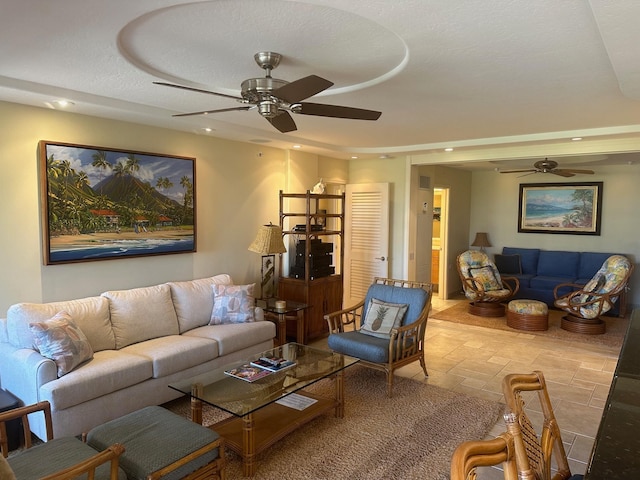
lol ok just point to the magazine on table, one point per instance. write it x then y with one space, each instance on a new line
248 372
273 364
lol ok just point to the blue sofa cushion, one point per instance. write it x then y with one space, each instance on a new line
356 344
528 258
414 297
553 263
590 263
548 283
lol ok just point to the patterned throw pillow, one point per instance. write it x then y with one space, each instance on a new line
485 278
60 339
381 317
232 304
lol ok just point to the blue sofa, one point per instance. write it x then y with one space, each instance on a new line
539 271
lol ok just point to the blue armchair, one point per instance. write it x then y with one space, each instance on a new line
386 329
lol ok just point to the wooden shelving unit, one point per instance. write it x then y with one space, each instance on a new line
323 294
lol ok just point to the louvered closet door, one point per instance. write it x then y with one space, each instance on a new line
366 249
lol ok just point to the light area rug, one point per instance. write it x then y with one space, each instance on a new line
409 436
613 337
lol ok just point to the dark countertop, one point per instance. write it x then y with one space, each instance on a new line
616 453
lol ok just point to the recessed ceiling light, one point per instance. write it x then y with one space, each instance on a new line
64 103
297 146
449 149
207 129
576 139
354 157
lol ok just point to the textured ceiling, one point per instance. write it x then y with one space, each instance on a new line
462 73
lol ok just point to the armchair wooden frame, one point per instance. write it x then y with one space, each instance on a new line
535 453
579 300
406 344
484 453
486 303
86 467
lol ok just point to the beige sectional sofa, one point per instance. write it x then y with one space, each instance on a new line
142 339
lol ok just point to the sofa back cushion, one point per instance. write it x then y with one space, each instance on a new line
590 263
554 263
140 314
193 300
528 258
90 314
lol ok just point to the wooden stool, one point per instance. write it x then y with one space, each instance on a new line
530 315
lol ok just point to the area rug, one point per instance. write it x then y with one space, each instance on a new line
410 436
613 337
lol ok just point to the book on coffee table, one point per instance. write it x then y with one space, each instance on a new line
273 364
248 372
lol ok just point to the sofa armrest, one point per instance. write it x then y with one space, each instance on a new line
23 371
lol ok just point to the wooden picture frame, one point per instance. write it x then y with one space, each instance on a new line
103 203
569 208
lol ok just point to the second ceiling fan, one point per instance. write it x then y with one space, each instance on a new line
275 99
549 166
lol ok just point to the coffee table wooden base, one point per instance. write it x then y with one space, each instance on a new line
253 433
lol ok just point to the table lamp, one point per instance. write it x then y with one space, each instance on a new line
481 240
268 242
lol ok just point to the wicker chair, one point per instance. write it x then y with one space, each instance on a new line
585 304
350 334
483 285
484 453
535 450
57 459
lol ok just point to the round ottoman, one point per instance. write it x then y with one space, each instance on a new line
530 315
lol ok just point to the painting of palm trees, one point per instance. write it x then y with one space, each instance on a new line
570 208
103 203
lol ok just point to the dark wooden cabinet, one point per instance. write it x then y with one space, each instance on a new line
308 218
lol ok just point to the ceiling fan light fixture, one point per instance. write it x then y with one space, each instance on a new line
268 109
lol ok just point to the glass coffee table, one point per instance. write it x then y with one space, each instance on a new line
266 410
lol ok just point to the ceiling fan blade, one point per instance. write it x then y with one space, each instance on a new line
302 88
573 170
191 89
336 111
562 173
519 171
206 112
283 122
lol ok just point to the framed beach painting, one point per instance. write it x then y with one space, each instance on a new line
100 203
570 208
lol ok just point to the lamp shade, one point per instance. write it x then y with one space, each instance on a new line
268 241
481 240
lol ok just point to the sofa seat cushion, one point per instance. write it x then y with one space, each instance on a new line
193 300
141 314
174 353
107 372
235 336
548 283
55 455
524 279
90 314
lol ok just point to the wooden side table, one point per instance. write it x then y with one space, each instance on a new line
292 310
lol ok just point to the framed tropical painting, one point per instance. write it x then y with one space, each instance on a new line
570 208
101 203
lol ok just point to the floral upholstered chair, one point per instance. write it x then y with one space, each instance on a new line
386 329
483 285
585 304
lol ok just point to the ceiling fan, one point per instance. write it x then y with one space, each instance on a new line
549 166
275 98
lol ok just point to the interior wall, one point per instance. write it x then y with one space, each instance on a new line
620 230
237 188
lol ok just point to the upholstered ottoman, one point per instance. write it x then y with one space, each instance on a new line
530 315
164 444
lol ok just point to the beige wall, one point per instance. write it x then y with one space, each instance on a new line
236 191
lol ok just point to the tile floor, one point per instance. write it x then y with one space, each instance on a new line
474 360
